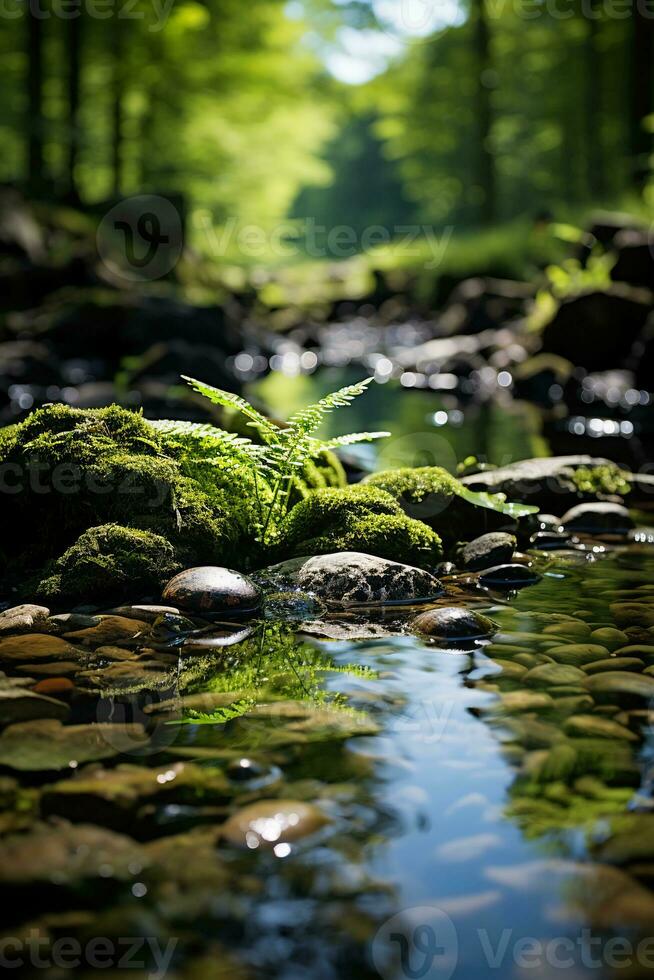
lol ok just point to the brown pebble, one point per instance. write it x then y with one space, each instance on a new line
54 686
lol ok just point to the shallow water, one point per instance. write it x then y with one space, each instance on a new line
467 836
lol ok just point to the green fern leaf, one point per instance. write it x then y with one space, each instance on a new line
307 421
230 400
351 439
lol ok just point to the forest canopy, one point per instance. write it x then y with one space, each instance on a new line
507 108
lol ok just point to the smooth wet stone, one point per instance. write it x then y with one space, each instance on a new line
516 701
148 614
509 577
226 636
19 704
113 654
453 623
598 518
495 548
627 614
23 619
68 622
268 823
620 683
67 855
213 590
352 578
614 663
609 637
549 540
205 702
643 650
134 675
511 670
29 647
110 629
592 726
631 840
574 703
577 654
43 745
548 675
569 630
327 630
56 687
113 795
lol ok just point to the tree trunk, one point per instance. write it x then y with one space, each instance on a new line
34 126
485 169
593 110
75 44
642 94
118 93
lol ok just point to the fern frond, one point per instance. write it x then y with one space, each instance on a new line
350 440
230 400
307 421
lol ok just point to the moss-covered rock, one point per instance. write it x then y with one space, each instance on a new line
110 560
358 518
432 495
67 472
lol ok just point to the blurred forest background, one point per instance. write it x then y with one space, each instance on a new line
464 112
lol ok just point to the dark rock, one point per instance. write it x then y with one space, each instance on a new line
349 578
453 623
18 704
494 548
549 540
39 746
509 577
584 327
213 590
635 258
598 519
29 647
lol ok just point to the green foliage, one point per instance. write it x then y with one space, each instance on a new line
358 518
286 451
608 479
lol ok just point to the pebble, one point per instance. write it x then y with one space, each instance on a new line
54 686
628 614
273 824
619 682
578 654
590 726
547 675
487 551
509 577
36 646
610 638
453 623
213 590
110 629
614 663
18 704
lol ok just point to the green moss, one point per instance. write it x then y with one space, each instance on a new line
432 495
608 479
110 561
331 469
74 470
358 518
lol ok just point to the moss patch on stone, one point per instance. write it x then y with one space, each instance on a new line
601 480
432 495
110 561
358 518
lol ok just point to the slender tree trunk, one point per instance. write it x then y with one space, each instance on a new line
75 45
34 126
117 120
642 93
593 110
483 75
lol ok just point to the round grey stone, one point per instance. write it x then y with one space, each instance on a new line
213 590
454 623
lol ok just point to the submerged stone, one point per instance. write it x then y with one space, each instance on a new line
550 675
453 623
609 637
18 704
509 576
628 614
109 629
214 590
599 518
350 577
592 726
38 746
620 683
36 646
577 654
269 823
494 548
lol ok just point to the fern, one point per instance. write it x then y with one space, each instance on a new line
286 449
